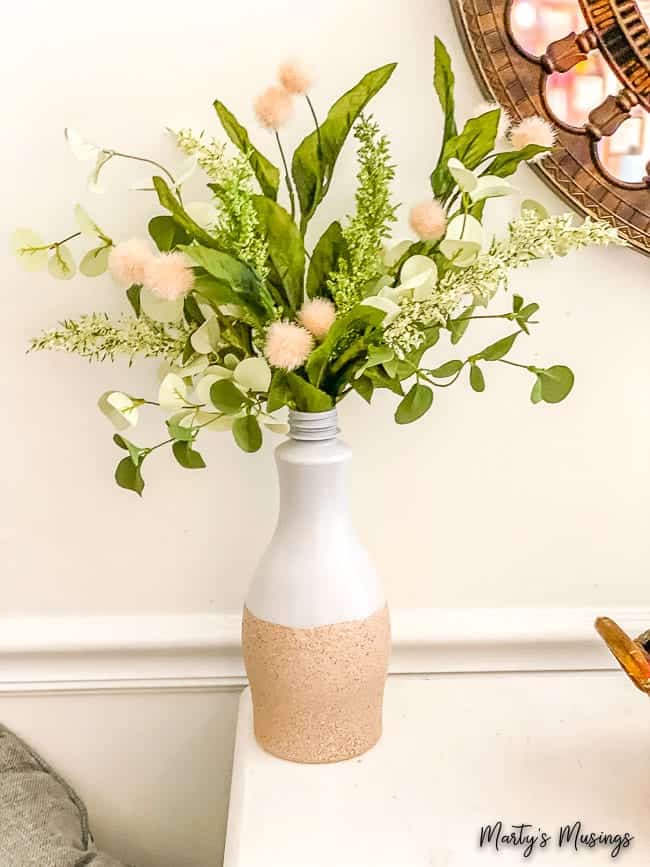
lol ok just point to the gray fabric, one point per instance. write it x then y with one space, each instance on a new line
42 821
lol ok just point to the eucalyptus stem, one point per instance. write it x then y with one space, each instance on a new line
530 367
64 241
287 178
146 160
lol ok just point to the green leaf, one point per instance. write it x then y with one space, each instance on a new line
517 302
177 429
134 451
536 393
279 393
226 397
266 173
364 386
471 146
443 82
133 294
247 433
128 475
312 172
306 396
30 249
286 248
61 263
556 383
497 350
187 456
476 378
535 207
325 259
380 379
319 358
167 234
413 406
506 164
527 311
95 262
237 282
459 326
449 368
182 219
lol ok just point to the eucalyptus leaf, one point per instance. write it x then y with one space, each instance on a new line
180 426
315 157
324 260
160 309
61 263
459 326
497 350
380 379
253 374
135 452
129 476
476 378
95 262
414 404
364 387
30 249
286 248
536 393
247 433
449 368
206 337
226 397
556 383
266 173
186 456
88 227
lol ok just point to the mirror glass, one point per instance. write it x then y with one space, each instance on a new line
572 95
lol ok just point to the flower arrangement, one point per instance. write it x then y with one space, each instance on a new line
247 320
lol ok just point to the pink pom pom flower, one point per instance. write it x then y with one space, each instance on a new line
317 316
428 220
295 77
274 107
169 276
287 345
128 260
533 131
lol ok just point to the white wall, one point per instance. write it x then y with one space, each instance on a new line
488 501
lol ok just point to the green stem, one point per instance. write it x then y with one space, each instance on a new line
530 367
146 160
65 240
317 125
287 178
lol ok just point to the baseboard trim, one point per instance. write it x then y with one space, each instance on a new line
202 651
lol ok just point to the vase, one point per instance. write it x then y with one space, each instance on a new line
316 628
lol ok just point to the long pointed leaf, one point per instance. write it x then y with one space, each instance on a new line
268 176
312 174
324 259
168 200
286 249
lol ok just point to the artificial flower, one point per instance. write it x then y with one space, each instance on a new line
317 316
168 276
295 77
273 108
128 260
533 131
428 220
287 345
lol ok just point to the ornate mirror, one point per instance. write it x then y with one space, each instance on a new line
584 65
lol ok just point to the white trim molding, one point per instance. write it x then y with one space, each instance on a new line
202 651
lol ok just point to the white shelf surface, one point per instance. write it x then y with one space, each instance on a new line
459 751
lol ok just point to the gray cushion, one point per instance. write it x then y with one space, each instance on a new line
42 821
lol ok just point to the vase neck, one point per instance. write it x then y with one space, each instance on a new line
313 482
313 426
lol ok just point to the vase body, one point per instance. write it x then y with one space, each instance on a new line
316 629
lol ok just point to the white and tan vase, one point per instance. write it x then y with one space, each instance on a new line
316 630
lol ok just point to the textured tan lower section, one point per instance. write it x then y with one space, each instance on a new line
317 693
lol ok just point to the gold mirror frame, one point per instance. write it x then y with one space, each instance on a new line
516 79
